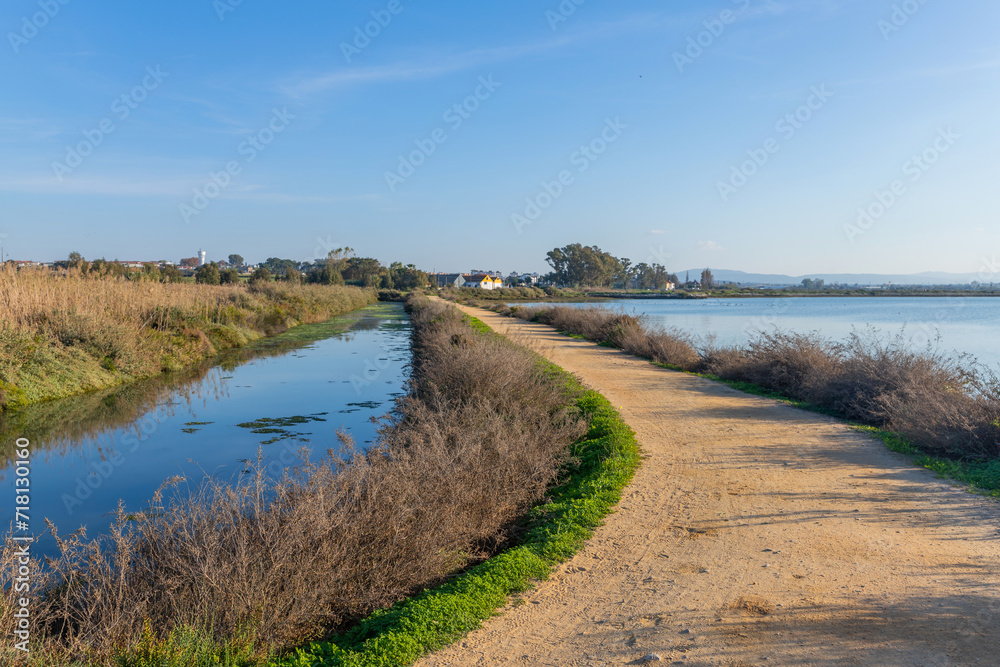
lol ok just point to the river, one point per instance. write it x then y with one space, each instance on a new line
276 396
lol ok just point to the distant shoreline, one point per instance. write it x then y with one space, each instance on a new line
601 297
786 295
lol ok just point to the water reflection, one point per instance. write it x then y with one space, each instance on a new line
279 395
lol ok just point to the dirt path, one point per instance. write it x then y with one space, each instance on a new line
754 534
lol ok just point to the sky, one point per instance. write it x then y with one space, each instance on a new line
791 137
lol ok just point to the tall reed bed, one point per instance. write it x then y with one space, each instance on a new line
946 405
233 573
63 332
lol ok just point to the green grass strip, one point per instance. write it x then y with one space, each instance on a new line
604 463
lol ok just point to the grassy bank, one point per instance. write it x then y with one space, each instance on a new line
66 333
944 410
234 575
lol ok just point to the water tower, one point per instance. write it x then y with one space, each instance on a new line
201 257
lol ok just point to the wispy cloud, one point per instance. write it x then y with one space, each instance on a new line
283 198
167 187
911 74
80 185
657 232
455 62
709 246
21 129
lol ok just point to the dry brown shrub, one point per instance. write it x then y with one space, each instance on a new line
475 444
947 405
784 362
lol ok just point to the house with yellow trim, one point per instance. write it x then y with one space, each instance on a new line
483 281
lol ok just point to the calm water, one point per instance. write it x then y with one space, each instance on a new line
283 394
962 324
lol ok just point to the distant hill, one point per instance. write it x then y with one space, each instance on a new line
926 278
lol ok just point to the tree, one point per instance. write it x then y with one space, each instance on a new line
208 274
261 275
325 274
293 275
589 266
707 279
361 269
150 271
278 267
625 272
190 262
404 277
338 257
171 274
236 261
229 276
76 261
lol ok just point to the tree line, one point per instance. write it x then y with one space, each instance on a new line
339 267
577 265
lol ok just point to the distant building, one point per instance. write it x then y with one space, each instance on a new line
483 281
202 256
525 278
443 280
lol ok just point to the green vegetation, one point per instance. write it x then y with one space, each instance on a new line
282 428
588 266
68 333
51 425
481 439
604 463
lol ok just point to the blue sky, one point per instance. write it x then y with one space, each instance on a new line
646 141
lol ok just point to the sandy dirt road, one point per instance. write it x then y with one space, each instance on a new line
753 534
